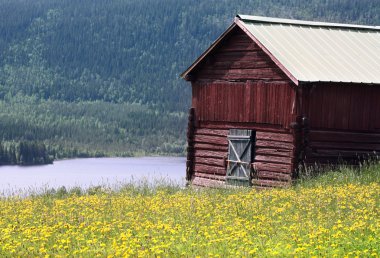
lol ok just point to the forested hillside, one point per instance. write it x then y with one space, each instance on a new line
97 76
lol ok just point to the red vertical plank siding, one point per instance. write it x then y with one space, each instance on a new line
367 108
200 102
228 98
375 112
275 100
259 102
353 109
212 101
332 103
218 101
242 110
224 104
247 102
253 101
343 107
344 103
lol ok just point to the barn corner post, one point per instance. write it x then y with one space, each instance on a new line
299 129
296 129
190 145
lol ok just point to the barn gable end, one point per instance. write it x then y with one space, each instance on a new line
238 58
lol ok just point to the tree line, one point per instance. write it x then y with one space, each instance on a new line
96 128
24 153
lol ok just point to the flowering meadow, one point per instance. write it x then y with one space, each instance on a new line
320 220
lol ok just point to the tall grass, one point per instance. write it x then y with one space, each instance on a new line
366 172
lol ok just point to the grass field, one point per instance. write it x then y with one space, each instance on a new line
337 214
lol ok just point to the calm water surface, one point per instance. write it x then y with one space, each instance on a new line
92 172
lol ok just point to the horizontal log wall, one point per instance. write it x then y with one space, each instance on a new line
238 58
273 162
331 147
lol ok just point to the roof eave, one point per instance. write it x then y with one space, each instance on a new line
303 83
271 20
185 74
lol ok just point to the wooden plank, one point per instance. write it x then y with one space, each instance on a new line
346 146
234 103
341 153
239 47
279 168
265 105
273 176
352 111
241 107
252 101
375 114
274 152
273 159
260 102
281 137
205 182
213 177
269 104
247 102
330 161
211 101
242 56
230 102
330 106
209 154
201 168
269 183
253 126
339 136
356 108
226 65
272 107
210 139
344 104
218 102
243 74
367 108
212 147
217 162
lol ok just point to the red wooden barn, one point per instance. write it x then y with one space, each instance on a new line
271 95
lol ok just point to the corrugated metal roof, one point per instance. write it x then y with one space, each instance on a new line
263 19
316 51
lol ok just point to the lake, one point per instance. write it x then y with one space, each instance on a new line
111 172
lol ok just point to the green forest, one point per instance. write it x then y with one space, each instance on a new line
101 78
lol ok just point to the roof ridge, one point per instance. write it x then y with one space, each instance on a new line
263 19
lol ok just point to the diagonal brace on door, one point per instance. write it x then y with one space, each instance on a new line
239 157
